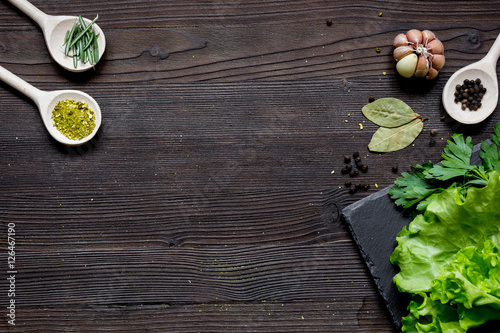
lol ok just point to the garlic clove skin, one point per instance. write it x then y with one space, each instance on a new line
435 47
400 40
418 53
438 61
406 66
431 75
414 36
422 66
427 36
402 51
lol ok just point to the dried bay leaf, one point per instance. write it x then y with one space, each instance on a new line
387 139
389 112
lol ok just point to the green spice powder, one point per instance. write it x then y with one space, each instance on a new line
75 120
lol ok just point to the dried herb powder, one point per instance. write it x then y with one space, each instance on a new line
75 120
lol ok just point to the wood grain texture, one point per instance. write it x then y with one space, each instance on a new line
210 199
336 315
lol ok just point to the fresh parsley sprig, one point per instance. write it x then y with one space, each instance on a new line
415 190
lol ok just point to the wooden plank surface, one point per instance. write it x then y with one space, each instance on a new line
207 201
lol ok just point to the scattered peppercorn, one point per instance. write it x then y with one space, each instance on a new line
432 142
371 99
433 132
329 22
470 94
346 169
354 171
395 169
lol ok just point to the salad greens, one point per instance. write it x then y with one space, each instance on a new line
449 256
415 190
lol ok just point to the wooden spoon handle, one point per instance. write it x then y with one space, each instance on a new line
494 53
34 13
20 85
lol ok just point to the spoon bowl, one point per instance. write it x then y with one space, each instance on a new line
54 32
54 29
49 100
485 69
46 101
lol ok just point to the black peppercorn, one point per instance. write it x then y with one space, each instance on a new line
432 142
366 187
329 22
395 168
371 99
347 159
433 132
355 154
347 184
352 190
469 94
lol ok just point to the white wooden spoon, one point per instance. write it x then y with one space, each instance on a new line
46 100
54 30
486 70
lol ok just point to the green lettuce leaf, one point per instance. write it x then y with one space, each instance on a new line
489 153
449 260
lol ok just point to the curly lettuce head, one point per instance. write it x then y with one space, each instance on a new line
449 260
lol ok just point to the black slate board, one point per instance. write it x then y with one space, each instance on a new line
374 223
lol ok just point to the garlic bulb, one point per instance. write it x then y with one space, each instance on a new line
418 53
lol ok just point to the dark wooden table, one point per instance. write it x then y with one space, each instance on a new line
208 202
